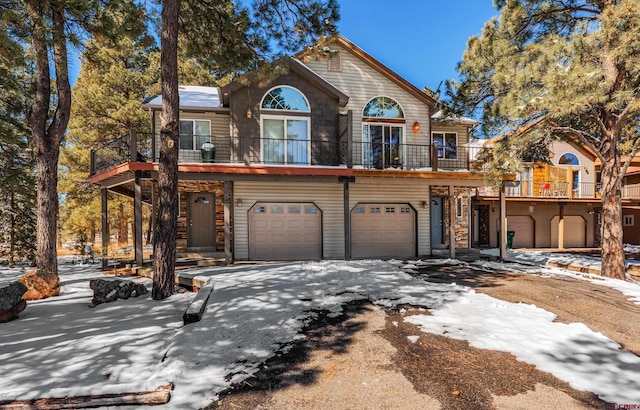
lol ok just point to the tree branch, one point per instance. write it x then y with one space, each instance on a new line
583 137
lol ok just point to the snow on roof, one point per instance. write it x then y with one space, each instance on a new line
191 96
439 116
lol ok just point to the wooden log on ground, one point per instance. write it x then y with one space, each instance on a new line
199 304
147 398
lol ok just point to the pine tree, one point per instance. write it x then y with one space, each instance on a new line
234 39
17 167
574 63
45 29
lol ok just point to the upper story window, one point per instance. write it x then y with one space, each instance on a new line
447 144
383 107
286 138
194 133
285 98
569 159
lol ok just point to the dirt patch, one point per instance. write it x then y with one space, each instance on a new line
369 358
464 377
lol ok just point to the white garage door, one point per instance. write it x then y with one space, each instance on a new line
523 226
285 231
575 232
383 231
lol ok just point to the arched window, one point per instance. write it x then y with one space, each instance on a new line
569 159
285 136
382 107
285 98
383 134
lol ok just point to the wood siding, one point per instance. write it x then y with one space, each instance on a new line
328 197
361 82
220 132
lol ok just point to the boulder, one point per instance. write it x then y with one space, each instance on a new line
109 290
11 301
38 288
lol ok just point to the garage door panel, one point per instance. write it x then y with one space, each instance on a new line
383 231
524 227
281 231
574 231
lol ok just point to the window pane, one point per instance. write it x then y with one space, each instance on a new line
273 142
438 138
569 159
297 144
285 98
186 135
202 132
451 146
383 107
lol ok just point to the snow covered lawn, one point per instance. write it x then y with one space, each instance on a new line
62 347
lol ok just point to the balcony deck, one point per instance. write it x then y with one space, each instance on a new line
141 148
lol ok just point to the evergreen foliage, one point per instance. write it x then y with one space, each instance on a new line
574 63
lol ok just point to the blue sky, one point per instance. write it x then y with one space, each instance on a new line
421 40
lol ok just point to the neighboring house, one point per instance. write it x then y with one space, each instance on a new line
555 205
545 196
328 155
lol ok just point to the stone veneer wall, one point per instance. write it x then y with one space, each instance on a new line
185 187
461 225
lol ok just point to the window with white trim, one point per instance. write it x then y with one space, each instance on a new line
458 207
447 144
382 133
628 220
285 138
194 133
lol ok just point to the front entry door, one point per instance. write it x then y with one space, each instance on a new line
437 222
201 216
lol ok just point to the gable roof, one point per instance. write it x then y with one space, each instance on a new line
297 67
368 59
528 127
191 96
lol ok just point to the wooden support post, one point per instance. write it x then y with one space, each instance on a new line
228 201
570 181
561 227
347 220
133 145
452 228
154 212
137 219
350 139
434 156
503 221
105 227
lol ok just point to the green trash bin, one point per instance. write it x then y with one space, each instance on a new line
510 235
208 152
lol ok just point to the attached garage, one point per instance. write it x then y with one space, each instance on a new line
285 231
575 231
524 228
383 231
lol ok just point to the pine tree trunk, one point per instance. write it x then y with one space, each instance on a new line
613 258
12 231
165 244
47 178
